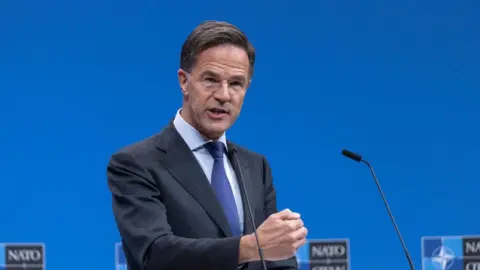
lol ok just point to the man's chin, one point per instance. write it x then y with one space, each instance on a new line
216 129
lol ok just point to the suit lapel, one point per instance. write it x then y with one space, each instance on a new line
182 164
246 179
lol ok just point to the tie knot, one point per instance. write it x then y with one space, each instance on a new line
216 149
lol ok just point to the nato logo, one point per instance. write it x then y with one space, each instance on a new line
16 256
120 261
451 253
324 254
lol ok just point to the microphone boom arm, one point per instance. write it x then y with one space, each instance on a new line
242 186
390 214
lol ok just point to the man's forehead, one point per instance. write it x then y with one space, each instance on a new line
224 58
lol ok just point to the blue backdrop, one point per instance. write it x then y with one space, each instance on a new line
397 81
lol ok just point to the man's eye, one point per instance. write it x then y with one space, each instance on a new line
236 85
211 80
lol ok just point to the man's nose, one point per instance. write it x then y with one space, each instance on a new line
223 93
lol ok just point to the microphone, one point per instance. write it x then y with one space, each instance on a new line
359 158
233 154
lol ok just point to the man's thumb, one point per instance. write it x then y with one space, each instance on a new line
286 214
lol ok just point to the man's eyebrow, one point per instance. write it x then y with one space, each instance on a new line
209 73
239 78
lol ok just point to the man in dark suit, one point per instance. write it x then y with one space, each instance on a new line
177 196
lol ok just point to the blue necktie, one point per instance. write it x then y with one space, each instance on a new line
221 186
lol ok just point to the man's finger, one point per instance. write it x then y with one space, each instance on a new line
293 225
299 243
300 233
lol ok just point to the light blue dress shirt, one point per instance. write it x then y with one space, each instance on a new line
196 143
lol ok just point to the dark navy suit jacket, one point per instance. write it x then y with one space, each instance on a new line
167 213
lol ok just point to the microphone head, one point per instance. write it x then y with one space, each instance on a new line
352 155
232 150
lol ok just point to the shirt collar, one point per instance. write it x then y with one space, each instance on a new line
190 135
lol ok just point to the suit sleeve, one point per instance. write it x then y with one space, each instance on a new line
271 208
142 222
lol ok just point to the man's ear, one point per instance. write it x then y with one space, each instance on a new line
183 81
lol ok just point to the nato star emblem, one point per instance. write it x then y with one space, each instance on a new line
442 253
443 257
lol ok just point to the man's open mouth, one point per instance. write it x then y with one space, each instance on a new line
218 111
